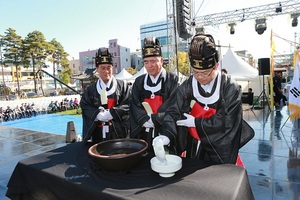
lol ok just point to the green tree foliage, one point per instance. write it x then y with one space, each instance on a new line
131 70
34 51
183 63
4 90
12 43
59 58
36 48
65 76
14 54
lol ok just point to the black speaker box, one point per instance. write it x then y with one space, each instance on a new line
264 66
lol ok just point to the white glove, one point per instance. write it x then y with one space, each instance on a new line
101 117
188 122
104 116
164 138
107 115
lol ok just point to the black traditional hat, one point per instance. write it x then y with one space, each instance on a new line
151 47
103 57
202 52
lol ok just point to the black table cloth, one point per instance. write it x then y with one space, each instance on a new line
69 173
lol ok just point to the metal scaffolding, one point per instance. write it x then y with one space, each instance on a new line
291 7
172 33
240 15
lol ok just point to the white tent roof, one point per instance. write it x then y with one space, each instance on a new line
242 72
141 72
237 67
123 75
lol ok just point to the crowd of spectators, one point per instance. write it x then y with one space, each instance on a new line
26 110
64 105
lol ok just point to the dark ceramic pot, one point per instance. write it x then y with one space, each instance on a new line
118 154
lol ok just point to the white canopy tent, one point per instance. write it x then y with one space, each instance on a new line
123 75
237 67
242 72
139 73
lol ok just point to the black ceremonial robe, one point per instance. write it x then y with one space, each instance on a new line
90 103
219 132
138 115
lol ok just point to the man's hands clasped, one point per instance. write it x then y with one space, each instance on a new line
104 115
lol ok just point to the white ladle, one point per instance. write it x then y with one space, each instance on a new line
159 151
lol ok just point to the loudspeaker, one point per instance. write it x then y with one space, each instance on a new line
264 66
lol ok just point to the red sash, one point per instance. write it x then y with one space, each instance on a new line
199 112
154 103
110 103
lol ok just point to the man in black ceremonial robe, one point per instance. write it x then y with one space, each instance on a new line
209 105
152 89
105 103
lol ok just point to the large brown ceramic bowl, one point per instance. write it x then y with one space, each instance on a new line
118 154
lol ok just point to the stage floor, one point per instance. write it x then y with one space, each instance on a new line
271 157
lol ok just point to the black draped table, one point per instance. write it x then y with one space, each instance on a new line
69 173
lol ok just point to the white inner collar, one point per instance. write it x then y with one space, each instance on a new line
214 97
102 86
154 80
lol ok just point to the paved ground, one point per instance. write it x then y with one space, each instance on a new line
271 157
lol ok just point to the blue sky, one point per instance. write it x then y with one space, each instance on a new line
82 25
